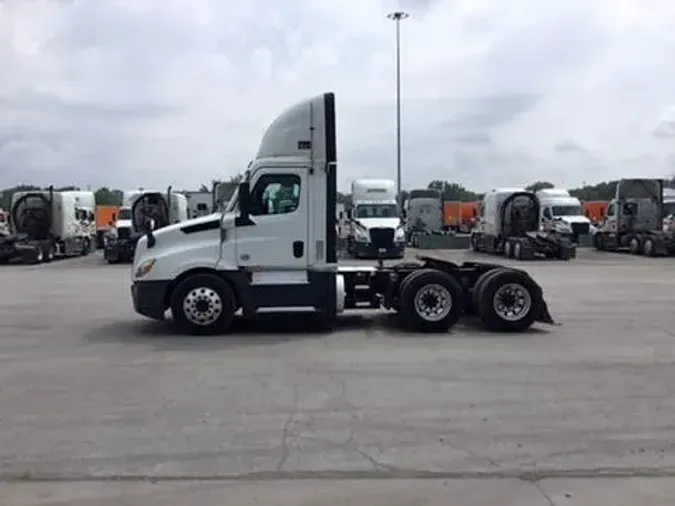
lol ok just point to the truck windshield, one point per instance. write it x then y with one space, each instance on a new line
668 209
124 214
567 211
376 211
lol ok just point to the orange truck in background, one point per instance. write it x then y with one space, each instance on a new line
595 210
460 216
104 216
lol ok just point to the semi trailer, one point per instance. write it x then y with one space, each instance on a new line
257 259
510 225
634 220
142 210
45 224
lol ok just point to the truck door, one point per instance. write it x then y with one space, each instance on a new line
276 239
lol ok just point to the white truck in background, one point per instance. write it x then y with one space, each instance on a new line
423 214
561 213
142 210
200 203
45 224
375 229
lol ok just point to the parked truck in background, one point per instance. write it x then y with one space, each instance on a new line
423 214
142 210
4 223
200 203
261 259
375 226
634 221
106 216
45 224
561 213
510 225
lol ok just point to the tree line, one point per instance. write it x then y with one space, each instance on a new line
450 191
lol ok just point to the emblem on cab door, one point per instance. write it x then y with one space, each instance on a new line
245 257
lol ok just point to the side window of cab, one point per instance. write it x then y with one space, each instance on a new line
275 194
611 210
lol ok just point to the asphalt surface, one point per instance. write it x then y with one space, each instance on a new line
90 391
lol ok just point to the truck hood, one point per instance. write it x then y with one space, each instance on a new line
379 222
175 228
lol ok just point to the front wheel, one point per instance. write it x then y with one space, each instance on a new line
203 304
431 301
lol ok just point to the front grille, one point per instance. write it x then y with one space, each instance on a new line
382 237
124 233
580 228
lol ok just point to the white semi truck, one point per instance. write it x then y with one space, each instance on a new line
259 258
561 213
375 229
423 214
141 210
510 225
45 224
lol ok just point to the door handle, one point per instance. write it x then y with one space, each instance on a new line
298 249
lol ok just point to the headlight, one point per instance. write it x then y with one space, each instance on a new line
399 235
361 235
145 268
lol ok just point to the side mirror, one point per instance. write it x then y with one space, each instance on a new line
349 214
340 215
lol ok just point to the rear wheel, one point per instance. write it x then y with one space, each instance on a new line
517 250
635 246
203 304
648 248
33 256
473 240
599 241
508 249
431 301
48 252
509 301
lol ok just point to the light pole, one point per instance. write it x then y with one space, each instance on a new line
397 17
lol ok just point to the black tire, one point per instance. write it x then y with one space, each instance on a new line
212 302
474 242
33 256
431 280
480 282
599 241
527 294
48 250
508 248
649 248
517 250
635 246
86 247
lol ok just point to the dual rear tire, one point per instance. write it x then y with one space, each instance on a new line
506 300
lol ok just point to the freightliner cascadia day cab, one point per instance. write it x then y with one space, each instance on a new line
45 224
375 227
510 225
142 209
563 214
273 249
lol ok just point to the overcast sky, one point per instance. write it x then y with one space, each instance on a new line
149 93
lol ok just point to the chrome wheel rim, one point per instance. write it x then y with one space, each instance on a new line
202 306
507 249
648 247
512 302
433 302
516 250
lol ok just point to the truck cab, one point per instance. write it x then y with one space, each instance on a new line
562 213
274 249
635 220
375 226
424 214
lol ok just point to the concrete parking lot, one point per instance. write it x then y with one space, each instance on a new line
90 391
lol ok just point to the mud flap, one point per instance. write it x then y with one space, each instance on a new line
545 316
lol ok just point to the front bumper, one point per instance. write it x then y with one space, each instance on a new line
150 298
368 250
120 250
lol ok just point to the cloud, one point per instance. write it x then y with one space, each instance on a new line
155 92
